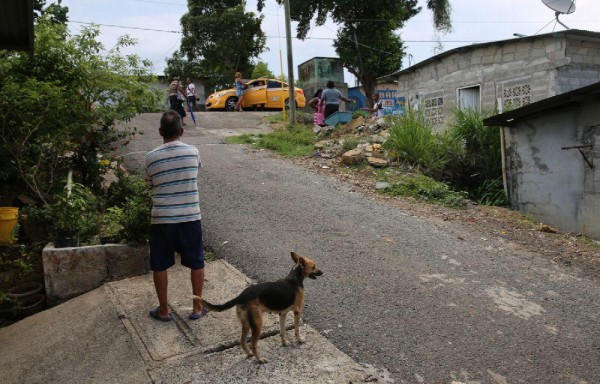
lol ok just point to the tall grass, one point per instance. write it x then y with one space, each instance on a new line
296 140
478 168
413 142
467 155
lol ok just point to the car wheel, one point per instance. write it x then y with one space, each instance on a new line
230 104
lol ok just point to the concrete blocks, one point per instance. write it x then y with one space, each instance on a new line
70 272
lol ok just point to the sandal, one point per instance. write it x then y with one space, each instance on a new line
196 316
154 314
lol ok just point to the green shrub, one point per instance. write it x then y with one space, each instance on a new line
71 92
136 220
129 212
426 189
125 188
413 142
111 226
78 210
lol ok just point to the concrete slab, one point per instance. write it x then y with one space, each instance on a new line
163 340
107 336
80 341
316 361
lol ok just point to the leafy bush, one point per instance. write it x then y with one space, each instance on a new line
121 214
130 207
426 189
111 226
126 187
77 210
69 97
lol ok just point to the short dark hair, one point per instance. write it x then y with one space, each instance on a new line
318 93
170 124
330 84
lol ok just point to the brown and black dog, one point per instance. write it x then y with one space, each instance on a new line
281 296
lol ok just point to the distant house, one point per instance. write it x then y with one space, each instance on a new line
512 72
553 159
314 74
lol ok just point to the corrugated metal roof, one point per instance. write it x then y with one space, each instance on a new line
467 48
574 97
16 25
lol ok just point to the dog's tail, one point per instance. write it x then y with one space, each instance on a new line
217 307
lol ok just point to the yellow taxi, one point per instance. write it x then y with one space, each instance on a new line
261 93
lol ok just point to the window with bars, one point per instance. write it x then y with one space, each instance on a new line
516 96
434 110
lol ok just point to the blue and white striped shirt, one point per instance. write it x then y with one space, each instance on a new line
172 172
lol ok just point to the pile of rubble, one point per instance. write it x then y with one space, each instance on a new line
370 134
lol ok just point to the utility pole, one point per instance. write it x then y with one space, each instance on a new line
288 40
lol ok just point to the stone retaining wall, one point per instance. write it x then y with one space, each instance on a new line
70 272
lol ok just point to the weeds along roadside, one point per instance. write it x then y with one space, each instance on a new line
446 168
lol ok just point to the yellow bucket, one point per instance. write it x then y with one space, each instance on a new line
9 216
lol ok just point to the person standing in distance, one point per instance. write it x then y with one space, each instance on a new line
171 170
191 95
331 98
377 109
239 91
177 97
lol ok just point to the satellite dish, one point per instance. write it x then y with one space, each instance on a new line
561 6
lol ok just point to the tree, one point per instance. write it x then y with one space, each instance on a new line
58 110
367 43
261 69
179 65
55 12
222 37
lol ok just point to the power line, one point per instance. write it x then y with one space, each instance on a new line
123 27
269 36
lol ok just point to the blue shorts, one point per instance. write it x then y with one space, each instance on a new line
183 238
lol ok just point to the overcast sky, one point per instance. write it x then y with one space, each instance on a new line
474 21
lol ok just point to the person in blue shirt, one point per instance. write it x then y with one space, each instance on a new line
331 98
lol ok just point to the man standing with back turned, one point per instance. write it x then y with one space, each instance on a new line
172 172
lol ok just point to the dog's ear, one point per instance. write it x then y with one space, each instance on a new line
296 257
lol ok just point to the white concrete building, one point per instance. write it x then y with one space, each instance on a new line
515 72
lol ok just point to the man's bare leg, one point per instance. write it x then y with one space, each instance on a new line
197 287
161 282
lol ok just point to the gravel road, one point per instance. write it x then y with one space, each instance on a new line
397 292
